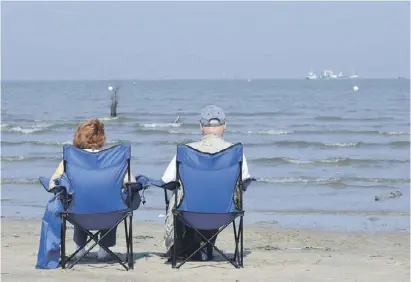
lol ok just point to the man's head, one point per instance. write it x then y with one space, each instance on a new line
212 120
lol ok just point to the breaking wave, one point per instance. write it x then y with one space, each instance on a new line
329 180
330 161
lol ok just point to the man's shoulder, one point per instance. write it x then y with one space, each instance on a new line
216 145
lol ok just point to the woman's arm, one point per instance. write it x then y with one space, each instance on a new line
132 178
59 172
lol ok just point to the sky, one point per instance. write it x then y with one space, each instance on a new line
206 40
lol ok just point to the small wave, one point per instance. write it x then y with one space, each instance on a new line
160 125
108 118
400 144
163 114
306 144
328 118
36 142
262 132
393 133
50 142
168 142
335 160
10 159
25 181
378 180
27 158
261 114
337 118
166 130
321 145
330 180
25 130
302 179
349 132
343 145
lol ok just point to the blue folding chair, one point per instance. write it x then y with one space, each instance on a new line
209 182
97 201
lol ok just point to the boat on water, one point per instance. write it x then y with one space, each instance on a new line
328 75
311 75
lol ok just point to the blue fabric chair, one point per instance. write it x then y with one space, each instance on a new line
209 182
93 198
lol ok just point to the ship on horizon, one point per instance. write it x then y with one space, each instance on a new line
329 74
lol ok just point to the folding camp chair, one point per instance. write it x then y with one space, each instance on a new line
97 201
209 203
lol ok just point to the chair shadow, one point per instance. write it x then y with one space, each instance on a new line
91 258
217 257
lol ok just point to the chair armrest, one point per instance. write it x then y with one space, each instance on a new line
247 182
44 181
171 186
145 181
134 186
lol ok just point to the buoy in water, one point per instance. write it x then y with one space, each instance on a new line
110 88
355 88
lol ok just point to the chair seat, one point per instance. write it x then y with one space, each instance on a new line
98 221
207 221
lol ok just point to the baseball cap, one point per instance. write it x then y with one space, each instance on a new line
212 116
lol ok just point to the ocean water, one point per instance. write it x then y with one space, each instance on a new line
320 151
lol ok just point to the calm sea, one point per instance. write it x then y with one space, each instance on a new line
320 151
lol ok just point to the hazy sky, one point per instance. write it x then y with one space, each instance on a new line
109 40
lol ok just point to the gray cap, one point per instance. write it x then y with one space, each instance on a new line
212 116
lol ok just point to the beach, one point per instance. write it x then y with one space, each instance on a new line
321 155
271 254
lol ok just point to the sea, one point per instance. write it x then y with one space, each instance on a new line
320 151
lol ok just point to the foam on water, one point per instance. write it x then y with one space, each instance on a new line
160 125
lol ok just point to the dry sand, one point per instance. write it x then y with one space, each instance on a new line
272 254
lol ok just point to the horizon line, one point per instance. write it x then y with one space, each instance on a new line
196 79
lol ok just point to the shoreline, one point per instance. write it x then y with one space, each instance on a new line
288 254
327 221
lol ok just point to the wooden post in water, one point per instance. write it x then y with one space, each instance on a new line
114 100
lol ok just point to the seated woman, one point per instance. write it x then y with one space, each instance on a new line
90 136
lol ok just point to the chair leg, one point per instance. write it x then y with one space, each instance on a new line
174 251
209 241
130 244
236 243
241 242
98 241
126 234
63 241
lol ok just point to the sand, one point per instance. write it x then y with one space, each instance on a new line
272 254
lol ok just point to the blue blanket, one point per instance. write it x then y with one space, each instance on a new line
50 237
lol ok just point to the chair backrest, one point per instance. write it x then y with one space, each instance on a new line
209 180
96 178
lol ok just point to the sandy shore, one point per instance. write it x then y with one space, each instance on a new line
272 254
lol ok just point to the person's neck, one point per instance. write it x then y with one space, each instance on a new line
212 135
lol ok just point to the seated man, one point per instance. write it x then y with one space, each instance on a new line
212 124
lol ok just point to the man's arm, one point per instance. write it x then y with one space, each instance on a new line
245 172
170 173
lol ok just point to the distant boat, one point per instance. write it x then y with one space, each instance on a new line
354 75
329 74
311 75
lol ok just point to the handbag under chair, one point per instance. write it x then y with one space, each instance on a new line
212 200
93 198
